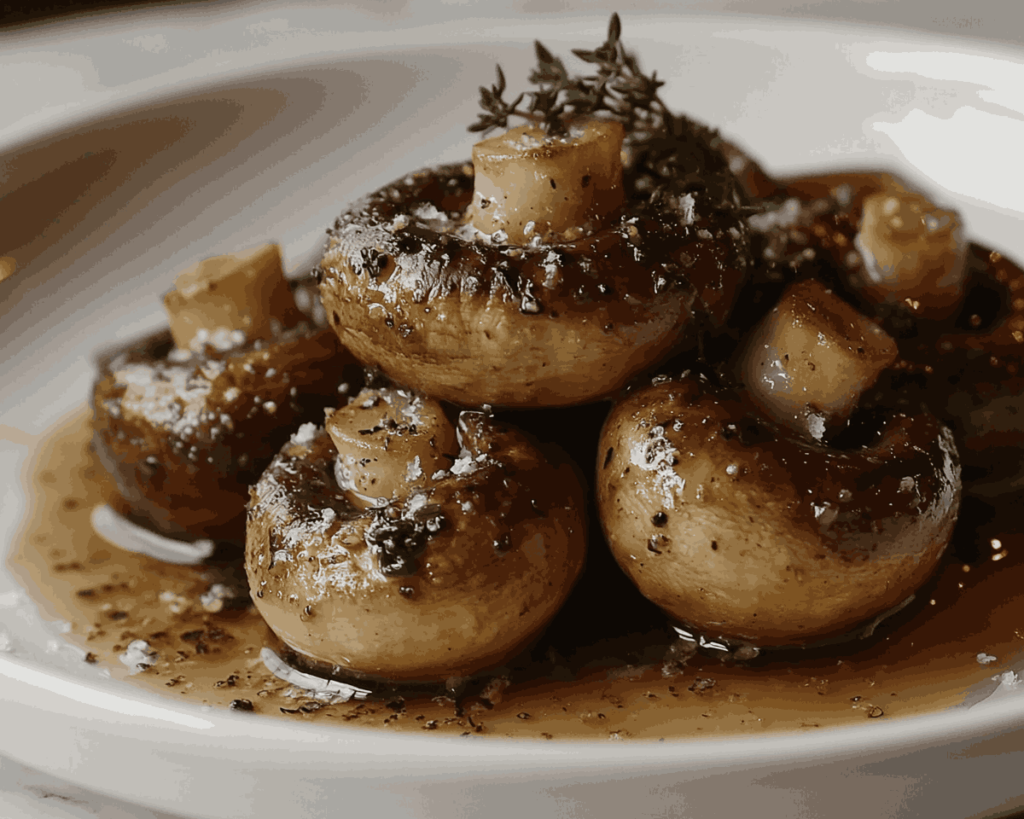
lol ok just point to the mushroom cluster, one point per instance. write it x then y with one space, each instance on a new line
801 380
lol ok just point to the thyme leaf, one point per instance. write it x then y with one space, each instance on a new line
497 111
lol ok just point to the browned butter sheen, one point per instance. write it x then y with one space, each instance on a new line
602 673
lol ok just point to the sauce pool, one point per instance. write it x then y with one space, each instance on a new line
606 670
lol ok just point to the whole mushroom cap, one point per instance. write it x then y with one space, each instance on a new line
409 288
452 580
752 534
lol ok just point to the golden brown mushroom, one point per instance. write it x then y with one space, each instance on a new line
540 276
758 530
185 431
411 572
954 308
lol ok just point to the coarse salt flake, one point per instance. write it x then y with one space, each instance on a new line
305 434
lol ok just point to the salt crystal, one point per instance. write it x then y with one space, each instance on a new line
214 600
305 434
139 656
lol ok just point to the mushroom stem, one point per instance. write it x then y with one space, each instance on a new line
244 292
530 186
913 251
811 358
389 442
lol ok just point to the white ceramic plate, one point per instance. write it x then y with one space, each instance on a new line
266 135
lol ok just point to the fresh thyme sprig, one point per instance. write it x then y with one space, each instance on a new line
617 87
670 155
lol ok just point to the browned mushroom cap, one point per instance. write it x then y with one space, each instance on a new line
961 357
453 578
809 229
888 244
806 229
750 533
408 288
184 434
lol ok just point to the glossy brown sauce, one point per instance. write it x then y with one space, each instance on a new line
601 673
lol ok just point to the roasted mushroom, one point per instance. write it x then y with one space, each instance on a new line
395 545
757 529
185 428
476 322
954 308
576 251
890 245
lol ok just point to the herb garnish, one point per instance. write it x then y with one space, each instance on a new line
669 154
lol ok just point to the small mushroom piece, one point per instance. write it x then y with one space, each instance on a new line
455 574
244 292
871 234
532 186
389 442
809 360
913 252
752 534
184 437
185 430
